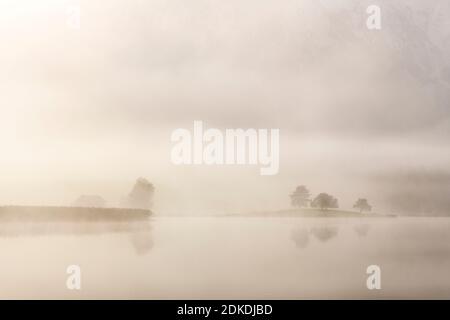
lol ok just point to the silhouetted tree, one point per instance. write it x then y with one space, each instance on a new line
141 195
362 205
324 201
300 197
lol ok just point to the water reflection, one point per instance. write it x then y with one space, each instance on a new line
302 258
301 235
362 229
324 233
142 241
140 232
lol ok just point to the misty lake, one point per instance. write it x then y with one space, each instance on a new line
224 257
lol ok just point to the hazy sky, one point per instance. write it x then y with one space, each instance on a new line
88 111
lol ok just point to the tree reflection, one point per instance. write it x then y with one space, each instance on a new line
362 229
301 237
324 233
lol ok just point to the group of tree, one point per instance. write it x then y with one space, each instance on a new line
301 198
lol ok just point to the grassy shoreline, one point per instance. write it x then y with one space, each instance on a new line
312 213
70 214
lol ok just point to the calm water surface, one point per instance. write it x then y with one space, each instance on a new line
206 258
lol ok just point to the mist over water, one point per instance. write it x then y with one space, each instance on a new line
241 258
362 115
